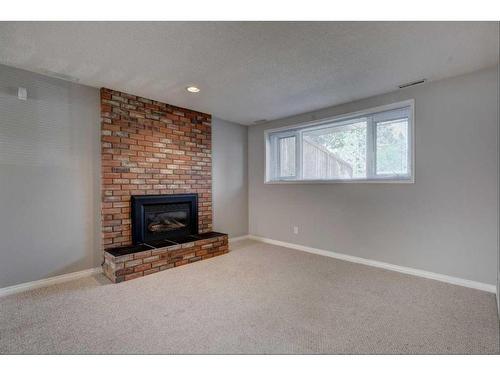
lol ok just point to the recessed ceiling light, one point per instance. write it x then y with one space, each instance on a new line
193 89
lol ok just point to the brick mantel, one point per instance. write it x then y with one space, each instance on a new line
149 147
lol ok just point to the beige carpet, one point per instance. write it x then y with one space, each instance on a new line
257 299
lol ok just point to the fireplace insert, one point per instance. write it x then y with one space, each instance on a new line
163 217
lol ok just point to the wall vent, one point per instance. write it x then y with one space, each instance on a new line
414 83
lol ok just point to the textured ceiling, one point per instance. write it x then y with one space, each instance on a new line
249 71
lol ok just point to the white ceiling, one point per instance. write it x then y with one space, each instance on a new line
248 71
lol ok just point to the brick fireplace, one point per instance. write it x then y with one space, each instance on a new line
152 148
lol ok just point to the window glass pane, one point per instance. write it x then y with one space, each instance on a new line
392 147
287 157
335 152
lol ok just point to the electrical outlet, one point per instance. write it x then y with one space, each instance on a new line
295 230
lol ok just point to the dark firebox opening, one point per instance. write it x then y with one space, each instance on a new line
166 219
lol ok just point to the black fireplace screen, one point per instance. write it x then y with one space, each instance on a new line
160 217
166 218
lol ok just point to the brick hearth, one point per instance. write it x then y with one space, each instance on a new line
145 259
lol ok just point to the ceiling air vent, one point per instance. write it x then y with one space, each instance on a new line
414 83
62 76
260 121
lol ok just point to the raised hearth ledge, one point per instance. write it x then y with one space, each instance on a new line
135 261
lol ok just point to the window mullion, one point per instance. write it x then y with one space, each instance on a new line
370 148
298 155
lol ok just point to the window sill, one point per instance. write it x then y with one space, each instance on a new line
372 181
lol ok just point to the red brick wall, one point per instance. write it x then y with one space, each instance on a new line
150 147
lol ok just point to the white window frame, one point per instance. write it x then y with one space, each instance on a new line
371 141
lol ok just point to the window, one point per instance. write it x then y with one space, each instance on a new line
372 145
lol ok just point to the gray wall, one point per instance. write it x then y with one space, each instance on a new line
230 178
49 177
446 222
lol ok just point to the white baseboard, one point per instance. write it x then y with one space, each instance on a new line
240 238
387 266
406 270
49 281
